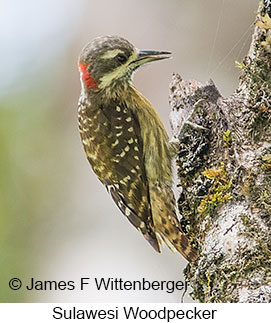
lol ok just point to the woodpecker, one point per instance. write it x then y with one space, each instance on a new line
125 141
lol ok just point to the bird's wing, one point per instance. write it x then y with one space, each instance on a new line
122 153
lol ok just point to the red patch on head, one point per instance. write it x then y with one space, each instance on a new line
89 81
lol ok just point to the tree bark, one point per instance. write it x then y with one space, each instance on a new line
224 170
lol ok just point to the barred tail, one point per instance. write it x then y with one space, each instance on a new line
182 244
166 223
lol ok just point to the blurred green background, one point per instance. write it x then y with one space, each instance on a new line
56 220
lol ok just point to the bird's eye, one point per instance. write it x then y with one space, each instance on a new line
121 58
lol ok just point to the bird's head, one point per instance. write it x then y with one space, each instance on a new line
109 61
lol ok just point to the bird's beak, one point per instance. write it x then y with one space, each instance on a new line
146 56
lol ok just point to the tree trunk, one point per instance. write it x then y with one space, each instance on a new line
224 170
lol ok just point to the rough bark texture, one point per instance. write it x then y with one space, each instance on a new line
224 169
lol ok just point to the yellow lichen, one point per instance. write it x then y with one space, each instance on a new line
264 22
215 173
227 138
241 65
266 195
266 162
218 192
